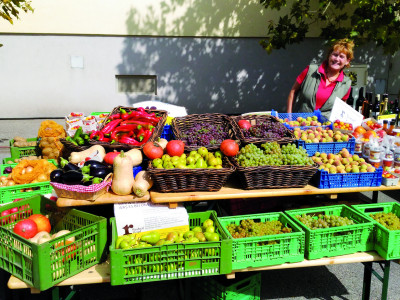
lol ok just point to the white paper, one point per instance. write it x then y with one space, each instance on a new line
173 110
146 216
343 112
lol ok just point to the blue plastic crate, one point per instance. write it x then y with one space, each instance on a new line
136 170
167 133
294 116
331 147
324 180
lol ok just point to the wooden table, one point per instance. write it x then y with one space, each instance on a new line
101 273
107 198
230 191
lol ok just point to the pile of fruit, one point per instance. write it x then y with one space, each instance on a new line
373 125
389 220
342 125
251 228
320 135
198 234
323 221
386 174
343 162
308 121
204 134
272 154
266 129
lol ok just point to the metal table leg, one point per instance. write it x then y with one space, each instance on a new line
368 271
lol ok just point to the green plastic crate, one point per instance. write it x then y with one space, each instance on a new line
18 152
98 113
172 261
4 165
7 159
335 241
22 191
245 286
47 264
387 242
246 252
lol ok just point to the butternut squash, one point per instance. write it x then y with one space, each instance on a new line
77 157
162 142
136 156
123 175
142 184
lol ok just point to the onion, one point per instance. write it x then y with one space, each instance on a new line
29 169
3 179
23 171
42 177
10 183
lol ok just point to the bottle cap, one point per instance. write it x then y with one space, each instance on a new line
385 121
392 122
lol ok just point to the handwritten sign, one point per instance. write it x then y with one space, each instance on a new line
343 112
142 217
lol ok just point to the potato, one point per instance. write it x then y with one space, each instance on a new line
19 139
44 144
47 151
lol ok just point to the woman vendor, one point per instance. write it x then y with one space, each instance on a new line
318 86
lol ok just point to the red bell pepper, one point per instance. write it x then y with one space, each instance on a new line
110 126
129 141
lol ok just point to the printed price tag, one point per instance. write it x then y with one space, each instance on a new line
381 118
343 112
146 216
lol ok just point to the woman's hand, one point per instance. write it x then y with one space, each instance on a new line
295 88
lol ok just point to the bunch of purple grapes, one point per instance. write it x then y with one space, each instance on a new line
204 134
266 129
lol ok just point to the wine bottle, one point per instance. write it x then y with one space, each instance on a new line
360 100
350 100
371 104
384 105
396 110
376 107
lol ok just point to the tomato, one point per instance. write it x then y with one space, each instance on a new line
175 148
360 130
70 250
26 228
153 150
4 213
109 158
244 124
229 147
42 222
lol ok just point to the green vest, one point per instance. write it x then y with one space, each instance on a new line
306 96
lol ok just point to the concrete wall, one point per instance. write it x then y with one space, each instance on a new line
208 61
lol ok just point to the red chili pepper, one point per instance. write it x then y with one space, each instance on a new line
124 114
129 141
110 126
115 116
140 134
93 134
121 131
147 125
140 109
97 135
147 135
104 139
139 114
152 120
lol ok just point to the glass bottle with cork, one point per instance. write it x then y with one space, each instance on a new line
376 108
366 106
385 101
360 101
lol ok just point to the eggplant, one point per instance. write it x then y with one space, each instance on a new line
94 164
56 175
74 177
67 166
100 172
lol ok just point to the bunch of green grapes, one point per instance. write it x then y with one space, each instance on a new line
271 154
389 220
324 221
250 228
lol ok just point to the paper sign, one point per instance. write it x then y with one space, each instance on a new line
146 216
344 112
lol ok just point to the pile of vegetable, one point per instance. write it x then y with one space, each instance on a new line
79 138
23 142
133 128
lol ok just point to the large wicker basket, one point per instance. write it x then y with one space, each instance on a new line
288 136
181 125
120 146
274 177
190 180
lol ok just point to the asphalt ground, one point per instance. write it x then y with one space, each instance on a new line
333 282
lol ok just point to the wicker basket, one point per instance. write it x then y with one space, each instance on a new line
70 147
120 146
190 180
274 177
80 192
257 119
183 124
